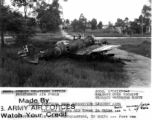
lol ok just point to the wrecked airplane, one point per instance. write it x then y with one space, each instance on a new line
82 47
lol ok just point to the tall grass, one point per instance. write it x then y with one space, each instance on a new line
62 72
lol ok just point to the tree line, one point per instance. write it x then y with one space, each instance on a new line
82 24
139 25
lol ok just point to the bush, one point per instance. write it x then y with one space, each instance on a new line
26 33
37 30
44 30
15 24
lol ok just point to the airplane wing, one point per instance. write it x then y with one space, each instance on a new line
95 48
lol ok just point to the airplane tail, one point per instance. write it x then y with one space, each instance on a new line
29 53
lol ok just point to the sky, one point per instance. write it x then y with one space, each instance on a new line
102 10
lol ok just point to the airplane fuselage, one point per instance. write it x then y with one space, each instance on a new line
66 47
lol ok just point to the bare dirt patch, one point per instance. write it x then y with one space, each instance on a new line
138 69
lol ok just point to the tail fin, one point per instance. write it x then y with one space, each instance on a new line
29 53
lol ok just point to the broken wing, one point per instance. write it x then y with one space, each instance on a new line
95 48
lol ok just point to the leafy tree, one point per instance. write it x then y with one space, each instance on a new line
67 21
49 14
13 23
119 23
126 23
7 18
88 24
135 26
146 15
126 19
142 20
82 22
75 24
31 22
81 17
146 10
110 25
28 22
94 24
100 25
2 13
79 25
24 3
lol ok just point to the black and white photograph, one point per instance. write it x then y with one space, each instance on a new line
75 59
75 43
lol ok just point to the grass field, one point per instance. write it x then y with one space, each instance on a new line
65 71
106 33
141 46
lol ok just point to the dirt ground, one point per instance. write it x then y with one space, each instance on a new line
138 68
